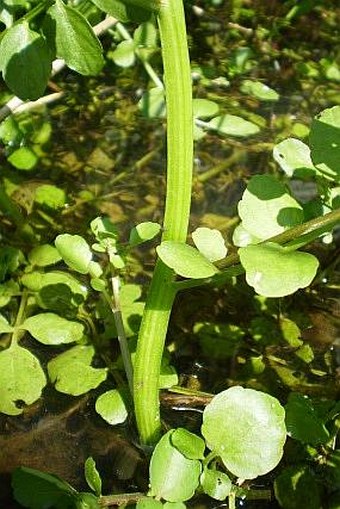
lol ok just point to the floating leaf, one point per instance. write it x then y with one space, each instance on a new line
187 443
92 476
238 418
36 490
72 373
25 62
296 487
215 484
324 141
111 407
52 329
51 196
275 272
185 260
266 208
203 108
143 232
75 40
303 422
293 156
44 255
172 476
21 379
259 90
75 252
23 158
210 243
232 125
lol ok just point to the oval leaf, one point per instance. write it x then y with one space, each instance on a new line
266 208
52 329
44 255
259 90
185 260
72 372
237 419
21 379
203 108
75 40
293 156
189 444
232 125
215 484
324 141
111 407
210 243
275 272
92 476
173 477
75 251
25 62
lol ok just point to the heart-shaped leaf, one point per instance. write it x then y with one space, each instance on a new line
274 271
246 428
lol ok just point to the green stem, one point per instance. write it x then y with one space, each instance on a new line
177 79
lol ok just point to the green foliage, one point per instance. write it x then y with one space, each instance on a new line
52 329
215 484
324 142
303 422
92 476
75 252
238 418
296 487
111 407
210 243
233 125
185 260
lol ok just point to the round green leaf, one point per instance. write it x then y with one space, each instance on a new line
246 429
44 255
275 272
173 477
324 141
266 208
149 503
143 232
72 373
52 329
215 484
303 422
111 407
189 444
50 196
203 108
23 158
259 90
232 125
210 243
124 54
21 379
293 156
185 260
75 40
75 252
25 62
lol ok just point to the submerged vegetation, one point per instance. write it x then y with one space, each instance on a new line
206 294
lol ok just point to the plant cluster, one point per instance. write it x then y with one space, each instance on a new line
59 293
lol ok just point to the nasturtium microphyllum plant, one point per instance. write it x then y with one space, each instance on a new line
243 429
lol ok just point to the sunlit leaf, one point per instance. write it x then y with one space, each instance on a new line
149 503
173 477
324 141
210 243
259 90
185 260
23 158
215 484
143 232
92 476
232 125
204 108
111 407
293 156
5 327
75 252
238 418
21 379
75 40
276 272
44 255
189 444
124 54
51 196
72 373
52 329
267 209
25 62
152 103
